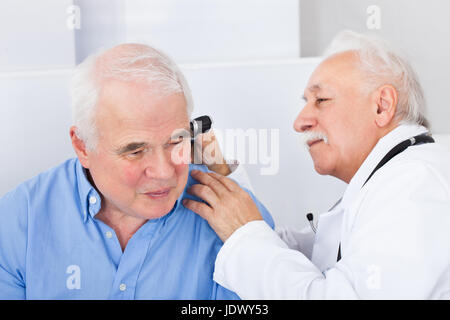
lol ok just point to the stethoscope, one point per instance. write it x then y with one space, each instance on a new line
399 148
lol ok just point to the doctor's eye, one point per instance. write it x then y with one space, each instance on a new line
321 100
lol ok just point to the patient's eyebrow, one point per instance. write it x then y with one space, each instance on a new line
131 147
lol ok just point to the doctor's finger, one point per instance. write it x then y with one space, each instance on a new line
200 208
203 192
208 180
227 182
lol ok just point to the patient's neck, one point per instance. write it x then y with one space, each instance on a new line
124 225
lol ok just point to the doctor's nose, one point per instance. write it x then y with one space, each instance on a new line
305 121
160 166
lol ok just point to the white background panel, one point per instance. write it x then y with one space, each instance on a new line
34 125
205 30
34 34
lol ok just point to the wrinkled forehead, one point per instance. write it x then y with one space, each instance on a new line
132 109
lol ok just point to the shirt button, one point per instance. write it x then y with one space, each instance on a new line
92 200
123 287
108 234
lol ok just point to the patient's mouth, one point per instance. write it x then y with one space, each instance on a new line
158 194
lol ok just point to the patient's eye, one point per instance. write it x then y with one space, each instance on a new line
136 154
174 142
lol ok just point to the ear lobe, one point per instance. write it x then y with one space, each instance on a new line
386 105
79 147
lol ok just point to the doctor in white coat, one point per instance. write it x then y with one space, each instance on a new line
389 236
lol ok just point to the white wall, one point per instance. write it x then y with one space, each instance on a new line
194 30
34 35
37 54
101 26
219 30
420 28
34 124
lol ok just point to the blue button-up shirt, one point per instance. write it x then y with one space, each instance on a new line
52 247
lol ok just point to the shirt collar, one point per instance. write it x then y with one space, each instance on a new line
90 199
384 145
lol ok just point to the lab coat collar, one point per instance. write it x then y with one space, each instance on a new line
384 145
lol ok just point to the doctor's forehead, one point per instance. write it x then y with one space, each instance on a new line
335 70
318 88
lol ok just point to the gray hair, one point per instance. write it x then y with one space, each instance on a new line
383 65
126 62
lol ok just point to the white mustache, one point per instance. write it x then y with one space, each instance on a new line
307 136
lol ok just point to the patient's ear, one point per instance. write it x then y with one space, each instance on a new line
79 147
386 99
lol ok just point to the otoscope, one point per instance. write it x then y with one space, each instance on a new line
200 125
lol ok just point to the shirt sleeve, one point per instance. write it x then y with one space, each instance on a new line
13 242
221 293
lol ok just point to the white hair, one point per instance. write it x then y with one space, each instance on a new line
126 62
381 64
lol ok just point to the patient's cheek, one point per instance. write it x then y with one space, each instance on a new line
130 175
182 172
182 167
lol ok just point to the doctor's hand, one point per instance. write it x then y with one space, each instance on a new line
230 207
206 150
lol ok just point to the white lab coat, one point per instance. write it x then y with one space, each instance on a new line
394 234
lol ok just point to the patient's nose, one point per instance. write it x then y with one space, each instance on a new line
160 166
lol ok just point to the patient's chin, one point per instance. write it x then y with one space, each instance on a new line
158 211
152 208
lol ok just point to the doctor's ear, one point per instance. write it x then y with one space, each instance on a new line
79 147
386 99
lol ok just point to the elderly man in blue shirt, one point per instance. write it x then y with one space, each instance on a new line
111 224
